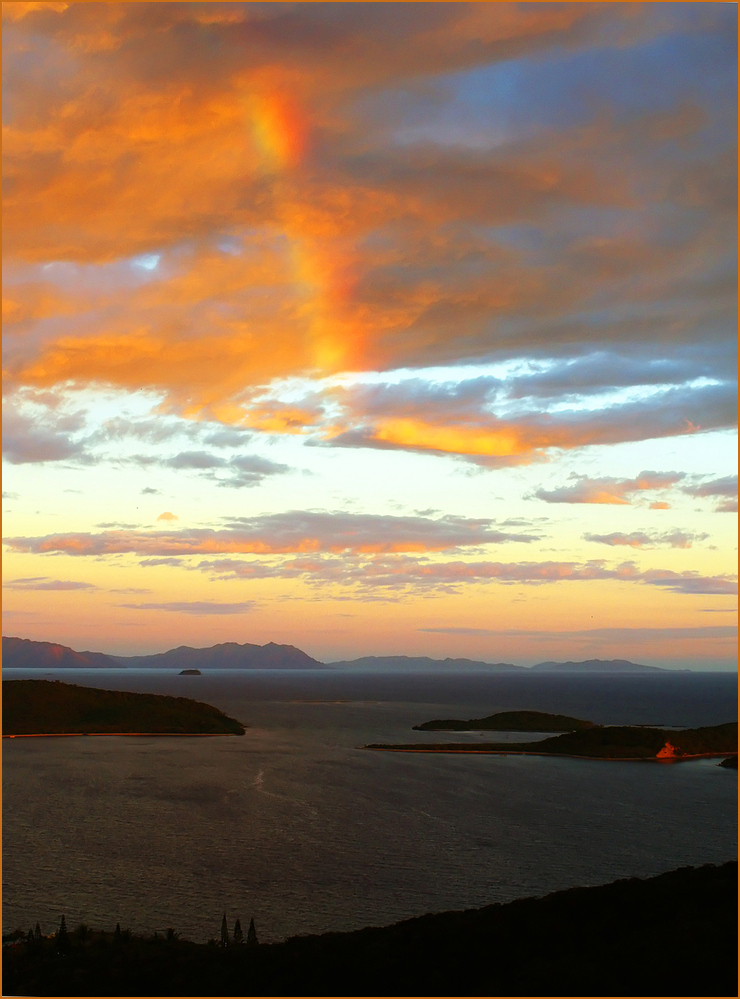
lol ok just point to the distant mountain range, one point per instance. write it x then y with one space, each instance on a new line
22 653
417 662
26 654
598 666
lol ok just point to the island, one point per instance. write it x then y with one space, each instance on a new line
508 721
602 742
190 672
49 707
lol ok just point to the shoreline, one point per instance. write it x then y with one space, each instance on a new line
560 756
70 735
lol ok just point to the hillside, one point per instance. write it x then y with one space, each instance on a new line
228 655
418 662
670 935
21 653
613 742
48 707
597 666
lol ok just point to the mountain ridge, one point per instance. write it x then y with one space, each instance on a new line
596 666
417 662
25 653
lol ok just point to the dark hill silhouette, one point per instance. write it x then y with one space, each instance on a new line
228 655
670 935
598 666
22 653
26 654
48 707
417 662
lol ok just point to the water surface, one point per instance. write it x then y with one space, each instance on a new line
295 825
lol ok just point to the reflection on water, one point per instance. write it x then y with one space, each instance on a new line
297 826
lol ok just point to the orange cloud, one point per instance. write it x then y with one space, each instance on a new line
174 127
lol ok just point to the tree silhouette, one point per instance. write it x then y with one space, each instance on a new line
224 932
62 936
37 933
117 934
252 940
238 935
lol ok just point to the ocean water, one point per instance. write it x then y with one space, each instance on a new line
297 826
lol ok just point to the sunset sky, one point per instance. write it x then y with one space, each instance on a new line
374 329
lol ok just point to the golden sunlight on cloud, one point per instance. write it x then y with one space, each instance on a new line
17 11
455 440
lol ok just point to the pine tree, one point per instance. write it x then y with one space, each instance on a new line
117 934
238 935
224 932
252 940
37 933
62 937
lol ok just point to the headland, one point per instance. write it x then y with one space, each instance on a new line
601 742
51 708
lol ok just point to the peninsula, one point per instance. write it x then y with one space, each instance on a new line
604 742
48 707
507 721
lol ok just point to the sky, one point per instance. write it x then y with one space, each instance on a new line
372 328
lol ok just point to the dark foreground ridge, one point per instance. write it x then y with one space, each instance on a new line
675 934
606 742
48 707
507 721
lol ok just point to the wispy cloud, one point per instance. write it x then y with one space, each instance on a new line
197 607
609 490
44 583
400 572
28 438
293 531
645 539
236 473
616 635
724 488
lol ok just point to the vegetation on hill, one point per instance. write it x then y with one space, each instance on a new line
674 935
626 742
507 721
48 707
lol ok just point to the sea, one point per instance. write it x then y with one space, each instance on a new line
299 827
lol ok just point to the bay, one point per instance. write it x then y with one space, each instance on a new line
296 825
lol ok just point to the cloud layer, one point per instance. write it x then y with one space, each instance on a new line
293 531
360 188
